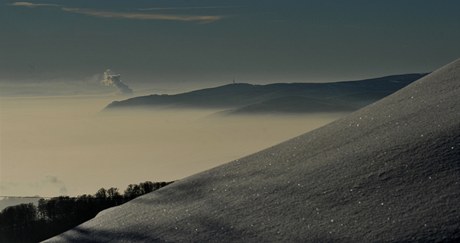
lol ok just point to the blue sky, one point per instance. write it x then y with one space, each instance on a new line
209 41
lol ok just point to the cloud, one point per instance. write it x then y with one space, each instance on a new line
143 16
111 79
186 8
125 15
33 5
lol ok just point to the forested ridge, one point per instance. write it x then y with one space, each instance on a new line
31 223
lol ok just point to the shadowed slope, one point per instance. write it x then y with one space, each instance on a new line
388 172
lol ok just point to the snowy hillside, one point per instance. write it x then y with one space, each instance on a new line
388 172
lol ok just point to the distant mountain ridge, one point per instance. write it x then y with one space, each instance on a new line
241 98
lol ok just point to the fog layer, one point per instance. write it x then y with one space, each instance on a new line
55 146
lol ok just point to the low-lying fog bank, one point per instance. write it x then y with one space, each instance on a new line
55 146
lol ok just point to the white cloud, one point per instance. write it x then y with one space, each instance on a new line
143 16
125 15
33 5
186 8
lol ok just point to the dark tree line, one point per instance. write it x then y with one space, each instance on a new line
30 223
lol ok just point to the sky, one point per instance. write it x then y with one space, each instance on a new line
63 47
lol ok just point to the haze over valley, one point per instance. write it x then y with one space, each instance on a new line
49 144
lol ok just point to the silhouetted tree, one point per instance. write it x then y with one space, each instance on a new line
30 223
101 193
113 193
16 221
133 191
147 186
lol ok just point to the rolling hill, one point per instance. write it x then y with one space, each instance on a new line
388 172
242 98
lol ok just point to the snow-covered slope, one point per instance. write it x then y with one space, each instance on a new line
388 172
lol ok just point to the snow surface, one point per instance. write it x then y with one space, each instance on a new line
388 172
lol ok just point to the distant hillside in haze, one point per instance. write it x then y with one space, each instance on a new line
12 201
386 173
242 98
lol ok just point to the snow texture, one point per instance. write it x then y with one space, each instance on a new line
388 172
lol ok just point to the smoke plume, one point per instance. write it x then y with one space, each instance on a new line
111 79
